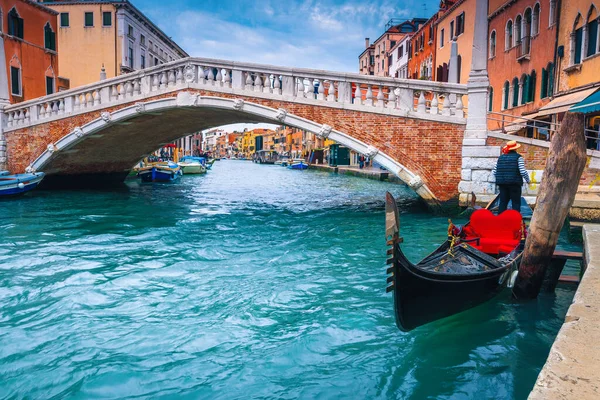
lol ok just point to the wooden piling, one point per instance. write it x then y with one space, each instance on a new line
565 164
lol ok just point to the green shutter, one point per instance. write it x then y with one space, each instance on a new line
506 94
490 108
89 19
15 81
544 90
550 79
592 38
106 19
578 39
515 102
532 83
64 19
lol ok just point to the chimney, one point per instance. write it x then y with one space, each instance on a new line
367 44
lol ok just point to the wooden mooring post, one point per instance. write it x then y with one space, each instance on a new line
565 164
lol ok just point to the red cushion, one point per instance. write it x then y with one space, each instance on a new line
497 234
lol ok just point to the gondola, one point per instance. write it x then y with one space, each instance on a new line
472 266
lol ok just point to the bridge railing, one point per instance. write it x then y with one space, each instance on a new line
411 97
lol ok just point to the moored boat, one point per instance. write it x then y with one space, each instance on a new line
472 266
298 165
17 184
192 165
160 172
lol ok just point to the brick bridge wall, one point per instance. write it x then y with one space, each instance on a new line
429 149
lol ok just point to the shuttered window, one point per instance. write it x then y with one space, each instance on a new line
592 38
578 39
49 38
64 20
15 81
89 19
15 24
49 85
544 90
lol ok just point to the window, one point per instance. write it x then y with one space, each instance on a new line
552 13
88 19
64 20
515 88
550 79
431 33
578 40
524 89
142 40
49 85
509 35
130 31
49 38
15 81
451 30
142 61
458 67
493 44
130 58
372 60
401 51
506 94
392 43
592 39
491 100
442 38
518 31
544 88
155 61
535 20
532 83
460 24
106 18
15 24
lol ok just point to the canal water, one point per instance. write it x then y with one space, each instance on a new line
252 281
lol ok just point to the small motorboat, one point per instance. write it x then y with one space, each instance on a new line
209 164
473 265
192 165
283 161
14 185
160 172
301 164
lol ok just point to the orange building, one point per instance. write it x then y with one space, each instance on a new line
376 59
521 40
30 50
455 22
421 56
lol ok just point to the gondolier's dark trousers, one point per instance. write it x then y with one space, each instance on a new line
510 193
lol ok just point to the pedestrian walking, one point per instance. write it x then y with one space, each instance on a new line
510 173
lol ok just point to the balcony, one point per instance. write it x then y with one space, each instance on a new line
524 48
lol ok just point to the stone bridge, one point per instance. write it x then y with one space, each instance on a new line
96 133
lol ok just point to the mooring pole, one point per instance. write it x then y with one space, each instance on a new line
565 164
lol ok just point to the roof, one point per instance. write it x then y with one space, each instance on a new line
127 5
40 6
447 12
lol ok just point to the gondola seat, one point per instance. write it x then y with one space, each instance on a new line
493 234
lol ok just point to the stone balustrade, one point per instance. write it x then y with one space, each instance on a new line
413 98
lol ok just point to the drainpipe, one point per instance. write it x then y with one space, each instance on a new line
115 29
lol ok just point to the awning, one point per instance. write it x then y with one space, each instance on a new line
564 103
589 105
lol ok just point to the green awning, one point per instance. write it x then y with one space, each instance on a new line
588 105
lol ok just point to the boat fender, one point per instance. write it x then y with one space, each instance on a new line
21 185
513 278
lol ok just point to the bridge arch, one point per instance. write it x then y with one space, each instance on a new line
57 156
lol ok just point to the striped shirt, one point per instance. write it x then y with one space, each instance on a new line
522 170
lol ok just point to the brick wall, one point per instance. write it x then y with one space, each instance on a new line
429 149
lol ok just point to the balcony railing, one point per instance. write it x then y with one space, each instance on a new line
524 48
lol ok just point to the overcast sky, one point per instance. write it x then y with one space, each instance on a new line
319 34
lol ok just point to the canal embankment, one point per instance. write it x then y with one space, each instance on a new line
373 173
572 370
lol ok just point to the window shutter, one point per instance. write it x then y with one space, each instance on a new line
544 90
578 39
592 37
550 79
14 80
20 26
11 25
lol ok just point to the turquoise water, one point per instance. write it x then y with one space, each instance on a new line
249 282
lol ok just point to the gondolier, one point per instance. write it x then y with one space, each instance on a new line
510 173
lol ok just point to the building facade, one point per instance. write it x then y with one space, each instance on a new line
421 59
377 58
399 67
521 54
113 35
456 22
30 50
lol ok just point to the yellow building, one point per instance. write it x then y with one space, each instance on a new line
458 23
113 34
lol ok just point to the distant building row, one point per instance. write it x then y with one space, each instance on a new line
542 58
78 38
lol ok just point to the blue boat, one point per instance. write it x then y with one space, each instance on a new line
14 185
298 165
160 172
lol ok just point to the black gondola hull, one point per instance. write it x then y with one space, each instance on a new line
419 300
